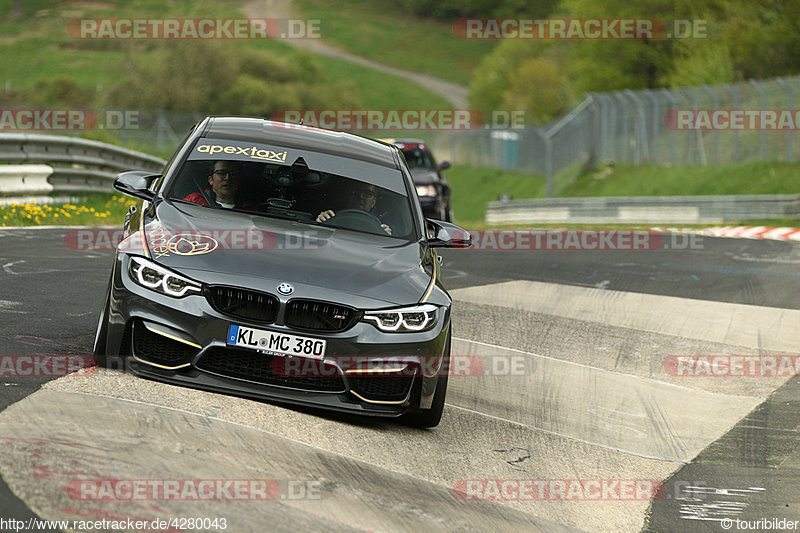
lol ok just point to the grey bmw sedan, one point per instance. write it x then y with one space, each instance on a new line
284 263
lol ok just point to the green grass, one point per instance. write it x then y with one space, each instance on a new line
474 187
757 177
36 46
93 210
382 91
382 31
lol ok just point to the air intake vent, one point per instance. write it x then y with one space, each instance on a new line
319 316
243 303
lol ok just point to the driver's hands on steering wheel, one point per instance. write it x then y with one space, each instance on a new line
325 215
328 214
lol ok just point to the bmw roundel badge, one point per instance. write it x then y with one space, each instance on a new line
285 288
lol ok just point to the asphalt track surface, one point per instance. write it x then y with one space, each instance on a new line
575 387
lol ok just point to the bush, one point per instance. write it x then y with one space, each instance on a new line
220 79
60 91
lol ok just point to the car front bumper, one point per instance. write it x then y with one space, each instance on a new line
183 341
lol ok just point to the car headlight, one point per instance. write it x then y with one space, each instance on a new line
157 278
426 190
407 319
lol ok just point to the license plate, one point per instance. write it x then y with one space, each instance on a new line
274 343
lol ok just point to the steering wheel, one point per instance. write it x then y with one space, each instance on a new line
357 219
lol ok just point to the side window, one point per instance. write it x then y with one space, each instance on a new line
156 184
192 178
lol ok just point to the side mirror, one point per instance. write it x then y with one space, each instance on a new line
136 183
447 235
444 165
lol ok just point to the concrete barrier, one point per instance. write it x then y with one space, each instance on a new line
25 179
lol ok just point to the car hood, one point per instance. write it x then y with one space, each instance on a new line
258 252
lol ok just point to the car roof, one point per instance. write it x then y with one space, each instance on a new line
301 137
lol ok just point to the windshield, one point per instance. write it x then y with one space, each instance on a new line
300 191
417 156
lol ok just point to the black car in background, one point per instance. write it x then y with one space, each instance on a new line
260 295
432 189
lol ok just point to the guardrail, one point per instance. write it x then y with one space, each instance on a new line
53 164
644 210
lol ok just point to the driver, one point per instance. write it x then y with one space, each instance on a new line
361 196
224 182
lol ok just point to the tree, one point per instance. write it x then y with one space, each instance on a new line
613 64
492 83
540 88
763 37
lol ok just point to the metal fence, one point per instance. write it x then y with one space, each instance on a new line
627 127
645 210
41 164
634 127
156 131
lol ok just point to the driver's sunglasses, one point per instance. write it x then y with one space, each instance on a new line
368 194
222 173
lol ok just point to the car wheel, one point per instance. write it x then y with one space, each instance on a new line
431 417
101 336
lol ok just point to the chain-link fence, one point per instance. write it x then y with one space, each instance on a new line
661 127
628 127
155 132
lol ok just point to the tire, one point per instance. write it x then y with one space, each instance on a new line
101 336
431 417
